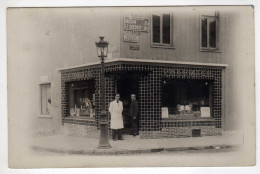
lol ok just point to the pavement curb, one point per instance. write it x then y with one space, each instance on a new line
126 151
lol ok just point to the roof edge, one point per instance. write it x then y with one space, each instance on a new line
145 61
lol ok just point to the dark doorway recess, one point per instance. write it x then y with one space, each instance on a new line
126 84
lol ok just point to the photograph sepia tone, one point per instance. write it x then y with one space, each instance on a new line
131 86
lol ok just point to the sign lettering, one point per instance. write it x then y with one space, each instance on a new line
136 24
190 73
131 38
134 47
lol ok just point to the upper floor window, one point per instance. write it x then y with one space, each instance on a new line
161 29
209 32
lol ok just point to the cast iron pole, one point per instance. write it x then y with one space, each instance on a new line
103 140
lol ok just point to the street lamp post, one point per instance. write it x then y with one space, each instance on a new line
102 48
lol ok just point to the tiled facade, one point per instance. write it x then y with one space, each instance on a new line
79 130
150 85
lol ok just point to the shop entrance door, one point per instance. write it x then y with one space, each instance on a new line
126 85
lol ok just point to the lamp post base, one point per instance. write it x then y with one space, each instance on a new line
104 139
108 146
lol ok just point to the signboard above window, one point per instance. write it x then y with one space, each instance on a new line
136 24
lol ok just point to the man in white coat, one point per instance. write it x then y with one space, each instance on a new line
116 109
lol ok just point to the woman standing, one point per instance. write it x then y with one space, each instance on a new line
116 109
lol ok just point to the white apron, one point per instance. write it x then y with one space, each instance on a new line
116 110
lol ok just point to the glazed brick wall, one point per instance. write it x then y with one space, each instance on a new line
78 75
150 84
150 98
80 130
178 132
86 74
80 121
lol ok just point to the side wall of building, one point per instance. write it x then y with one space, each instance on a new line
42 40
238 53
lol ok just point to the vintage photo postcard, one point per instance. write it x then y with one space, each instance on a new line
131 86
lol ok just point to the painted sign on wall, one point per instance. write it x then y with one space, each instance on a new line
136 24
191 73
134 47
131 38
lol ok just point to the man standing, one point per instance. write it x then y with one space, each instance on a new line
116 109
133 114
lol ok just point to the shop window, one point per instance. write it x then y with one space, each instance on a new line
45 99
82 98
161 30
186 98
209 33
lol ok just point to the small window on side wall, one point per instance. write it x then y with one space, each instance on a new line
161 30
45 99
209 33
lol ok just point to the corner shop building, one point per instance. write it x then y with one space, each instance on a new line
162 76
149 80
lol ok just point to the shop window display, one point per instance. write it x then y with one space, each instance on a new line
82 98
187 98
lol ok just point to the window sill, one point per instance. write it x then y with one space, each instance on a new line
211 51
79 118
189 119
45 83
162 46
45 116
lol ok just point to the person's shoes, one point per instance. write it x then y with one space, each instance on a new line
120 137
135 134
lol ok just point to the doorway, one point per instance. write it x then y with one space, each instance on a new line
127 84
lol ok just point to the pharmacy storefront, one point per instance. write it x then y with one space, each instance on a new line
175 99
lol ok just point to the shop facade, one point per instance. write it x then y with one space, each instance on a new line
175 99
186 83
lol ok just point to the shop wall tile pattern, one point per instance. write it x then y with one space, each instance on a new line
150 84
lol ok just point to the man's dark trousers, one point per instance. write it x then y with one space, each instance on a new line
135 130
133 114
116 134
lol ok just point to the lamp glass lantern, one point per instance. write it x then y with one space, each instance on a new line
102 47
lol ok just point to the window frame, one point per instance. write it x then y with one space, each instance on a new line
161 44
208 48
40 101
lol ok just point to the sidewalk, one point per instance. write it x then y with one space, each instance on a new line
132 145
